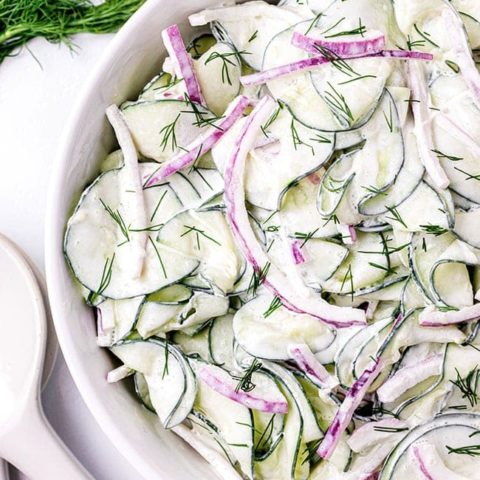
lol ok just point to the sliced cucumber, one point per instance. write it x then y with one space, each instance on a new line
204 237
233 420
218 73
268 336
171 382
161 128
96 245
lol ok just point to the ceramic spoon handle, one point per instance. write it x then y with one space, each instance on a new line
36 450
3 470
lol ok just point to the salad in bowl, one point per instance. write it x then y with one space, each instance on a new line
283 252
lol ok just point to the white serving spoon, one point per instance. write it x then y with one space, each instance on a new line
51 349
26 438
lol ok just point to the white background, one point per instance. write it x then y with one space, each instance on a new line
35 102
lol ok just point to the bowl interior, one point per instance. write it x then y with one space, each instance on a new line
133 57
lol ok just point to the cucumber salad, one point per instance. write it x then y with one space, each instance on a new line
284 251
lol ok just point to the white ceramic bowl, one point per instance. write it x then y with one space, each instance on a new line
132 58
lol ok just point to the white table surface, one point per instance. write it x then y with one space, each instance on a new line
35 103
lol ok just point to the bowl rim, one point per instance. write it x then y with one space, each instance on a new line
60 167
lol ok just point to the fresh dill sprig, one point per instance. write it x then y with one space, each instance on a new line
305 236
170 84
389 118
337 101
105 279
274 306
396 217
165 367
272 118
329 29
57 21
360 30
245 381
348 277
313 23
297 141
169 134
158 256
388 270
374 189
412 44
198 232
202 118
469 175
447 309
253 36
436 230
468 385
425 36
258 278
310 451
444 155
331 218
226 61
118 219
470 450
263 443
157 206
337 62
390 429
360 77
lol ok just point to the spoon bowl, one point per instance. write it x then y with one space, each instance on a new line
23 426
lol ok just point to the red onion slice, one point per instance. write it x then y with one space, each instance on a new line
292 297
183 64
431 317
202 144
347 408
311 63
371 42
221 381
307 362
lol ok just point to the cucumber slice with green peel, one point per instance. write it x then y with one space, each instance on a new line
311 429
218 72
353 346
160 128
159 318
197 344
201 44
408 179
233 420
162 86
97 237
286 151
287 461
221 340
247 27
204 237
208 431
298 212
297 91
334 186
172 295
141 389
467 226
269 335
171 382
117 319
434 215
269 430
436 260
453 430
366 265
